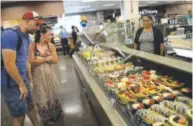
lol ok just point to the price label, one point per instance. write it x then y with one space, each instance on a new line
113 102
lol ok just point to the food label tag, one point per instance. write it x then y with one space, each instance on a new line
113 102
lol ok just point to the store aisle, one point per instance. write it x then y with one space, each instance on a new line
76 110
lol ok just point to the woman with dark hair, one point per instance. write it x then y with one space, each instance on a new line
149 39
42 56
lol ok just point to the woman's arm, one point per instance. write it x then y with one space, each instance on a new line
136 39
32 58
161 49
29 71
161 41
54 57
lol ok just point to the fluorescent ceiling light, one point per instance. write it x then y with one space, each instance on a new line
81 7
85 1
143 5
108 5
152 2
169 1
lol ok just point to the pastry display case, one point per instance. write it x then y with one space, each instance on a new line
126 87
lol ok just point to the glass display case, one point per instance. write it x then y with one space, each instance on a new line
139 90
120 32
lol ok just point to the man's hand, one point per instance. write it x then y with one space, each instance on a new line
23 92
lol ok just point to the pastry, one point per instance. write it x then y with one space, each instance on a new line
148 102
162 110
150 117
137 106
176 120
184 100
124 97
158 98
187 91
176 107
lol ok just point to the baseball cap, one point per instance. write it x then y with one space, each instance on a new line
33 15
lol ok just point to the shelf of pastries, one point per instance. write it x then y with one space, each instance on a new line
145 90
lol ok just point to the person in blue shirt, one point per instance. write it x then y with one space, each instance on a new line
188 18
16 75
64 40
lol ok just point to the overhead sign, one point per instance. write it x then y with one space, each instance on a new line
148 12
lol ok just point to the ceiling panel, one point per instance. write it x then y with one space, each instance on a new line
79 6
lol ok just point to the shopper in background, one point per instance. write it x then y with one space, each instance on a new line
74 34
52 40
101 26
149 39
64 40
42 56
2 29
74 38
15 83
188 18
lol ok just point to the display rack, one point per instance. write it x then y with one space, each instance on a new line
107 109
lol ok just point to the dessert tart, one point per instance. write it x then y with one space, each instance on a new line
168 95
158 98
146 73
184 100
160 124
138 92
162 110
187 91
176 120
148 102
170 82
177 93
110 85
150 117
136 106
124 97
176 107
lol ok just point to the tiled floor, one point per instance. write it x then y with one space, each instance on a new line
76 110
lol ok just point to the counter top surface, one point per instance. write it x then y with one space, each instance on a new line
173 63
107 106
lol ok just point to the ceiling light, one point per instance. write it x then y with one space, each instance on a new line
81 7
143 5
152 2
108 5
85 1
170 1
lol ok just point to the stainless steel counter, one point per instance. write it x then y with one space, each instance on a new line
112 114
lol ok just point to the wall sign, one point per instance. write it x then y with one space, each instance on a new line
148 12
